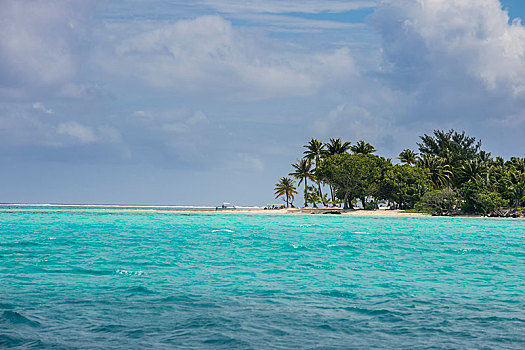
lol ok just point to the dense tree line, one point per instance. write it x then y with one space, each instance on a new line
449 174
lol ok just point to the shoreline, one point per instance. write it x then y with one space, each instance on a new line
243 210
321 211
208 210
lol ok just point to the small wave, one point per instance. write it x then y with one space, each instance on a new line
499 268
80 271
135 333
91 272
140 290
494 319
6 306
179 298
129 273
16 318
223 230
110 328
22 244
339 294
326 327
341 246
273 271
220 340
298 246
9 342
370 312
463 251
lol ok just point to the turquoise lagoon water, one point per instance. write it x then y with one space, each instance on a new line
109 278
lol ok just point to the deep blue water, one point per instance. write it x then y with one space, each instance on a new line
83 278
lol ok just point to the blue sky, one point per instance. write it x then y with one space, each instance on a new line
177 102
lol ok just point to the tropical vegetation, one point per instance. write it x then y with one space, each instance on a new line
286 188
449 174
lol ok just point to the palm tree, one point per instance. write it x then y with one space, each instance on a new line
472 170
518 164
336 146
452 145
363 147
440 173
484 156
286 187
314 151
302 173
408 156
517 189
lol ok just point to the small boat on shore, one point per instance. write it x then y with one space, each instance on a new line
226 205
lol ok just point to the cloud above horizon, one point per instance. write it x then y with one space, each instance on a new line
38 44
207 55
217 85
460 61
439 39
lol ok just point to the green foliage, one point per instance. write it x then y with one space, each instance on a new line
516 189
478 200
336 146
302 172
471 171
362 147
314 150
439 202
450 145
440 173
408 156
418 211
404 185
470 192
371 205
449 174
489 202
352 175
313 196
285 188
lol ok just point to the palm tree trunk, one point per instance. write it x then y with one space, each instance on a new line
321 193
305 192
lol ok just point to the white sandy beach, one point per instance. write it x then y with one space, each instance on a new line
318 211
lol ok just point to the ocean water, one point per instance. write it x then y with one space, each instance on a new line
120 279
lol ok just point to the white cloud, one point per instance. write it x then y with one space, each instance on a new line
186 124
143 115
36 39
355 121
446 41
39 106
82 90
85 134
77 131
207 55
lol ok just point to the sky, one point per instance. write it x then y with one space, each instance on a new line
198 103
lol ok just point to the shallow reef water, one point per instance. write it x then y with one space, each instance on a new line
99 279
